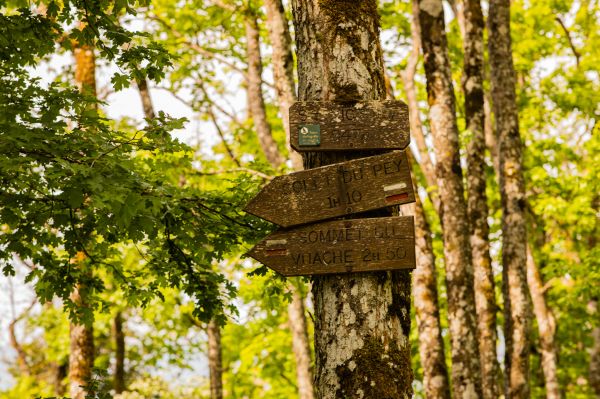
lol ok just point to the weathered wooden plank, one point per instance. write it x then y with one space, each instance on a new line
341 246
333 126
335 190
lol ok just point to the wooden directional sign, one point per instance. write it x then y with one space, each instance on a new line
332 126
335 190
340 246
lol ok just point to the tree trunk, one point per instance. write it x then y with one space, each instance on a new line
215 365
119 382
300 346
362 321
256 103
283 68
425 295
517 306
546 327
142 85
431 345
594 372
485 294
416 127
81 356
466 376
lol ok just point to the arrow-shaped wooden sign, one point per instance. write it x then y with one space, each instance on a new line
334 126
340 246
335 190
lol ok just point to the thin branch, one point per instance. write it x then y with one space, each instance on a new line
235 170
569 39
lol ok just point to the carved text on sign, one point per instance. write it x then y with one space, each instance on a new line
344 126
335 190
351 245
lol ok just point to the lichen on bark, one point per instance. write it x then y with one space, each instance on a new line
340 59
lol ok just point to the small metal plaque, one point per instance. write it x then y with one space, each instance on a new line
309 135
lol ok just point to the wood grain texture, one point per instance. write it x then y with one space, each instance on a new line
335 190
341 246
368 125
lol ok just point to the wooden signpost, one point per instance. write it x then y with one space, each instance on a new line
335 190
340 246
332 126
359 185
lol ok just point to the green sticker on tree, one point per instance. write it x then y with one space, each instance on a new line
309 135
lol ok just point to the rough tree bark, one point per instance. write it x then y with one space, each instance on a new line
215 365
416 127
425 294
283 68
256 104
81 356
546 327
431 345
517 306
485 295
466 375
119 378
362 321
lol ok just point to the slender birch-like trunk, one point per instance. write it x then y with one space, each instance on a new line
215 364
300 345
517 305
119 336
283 68
283 64
425 296
362 321
256 103
546 327
81 356
466 374
147 106
485 295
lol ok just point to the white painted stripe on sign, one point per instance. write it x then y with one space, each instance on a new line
397 186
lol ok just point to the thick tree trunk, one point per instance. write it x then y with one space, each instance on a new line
81 356
119 378
485 295
466 375
256 103
283 68
142 85
517 306
300 345
431 345
546 326
215 365
362 321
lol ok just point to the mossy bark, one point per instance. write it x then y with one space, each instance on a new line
485 294
466 372
517 304
362 321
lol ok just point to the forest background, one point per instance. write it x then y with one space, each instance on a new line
116 215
